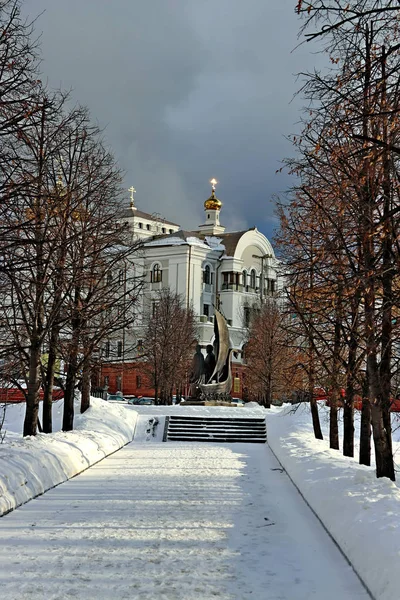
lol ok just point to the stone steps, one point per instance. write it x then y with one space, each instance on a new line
211 429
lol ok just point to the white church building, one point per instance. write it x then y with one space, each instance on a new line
208 267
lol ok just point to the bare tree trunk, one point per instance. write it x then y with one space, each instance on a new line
333 422
85 392
311 363
268 392
49 383
313 403
156 392
69 394
32 398
365 426
365 433
348 421
55 332
348 410
335 394
385 367
383 450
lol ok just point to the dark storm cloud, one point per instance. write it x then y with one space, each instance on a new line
188 90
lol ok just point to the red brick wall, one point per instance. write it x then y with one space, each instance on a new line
128 372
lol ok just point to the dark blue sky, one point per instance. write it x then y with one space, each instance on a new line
188 90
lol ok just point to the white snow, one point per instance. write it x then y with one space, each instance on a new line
215 242
30 466
177 241
359 511
195 241
169 241
209 242
174 522
181 521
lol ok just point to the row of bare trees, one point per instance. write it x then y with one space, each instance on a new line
60 244
340 229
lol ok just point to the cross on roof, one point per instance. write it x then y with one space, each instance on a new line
133 192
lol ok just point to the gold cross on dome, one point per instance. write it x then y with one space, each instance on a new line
133 192
213 183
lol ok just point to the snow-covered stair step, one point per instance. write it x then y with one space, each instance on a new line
214 429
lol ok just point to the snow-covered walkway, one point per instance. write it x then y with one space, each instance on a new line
173 522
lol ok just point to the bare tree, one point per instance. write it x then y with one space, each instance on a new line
348 168
272 364
169 339
30 247
101 246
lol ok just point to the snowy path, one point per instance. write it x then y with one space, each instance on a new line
173 522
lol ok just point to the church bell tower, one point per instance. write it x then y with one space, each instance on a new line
212 207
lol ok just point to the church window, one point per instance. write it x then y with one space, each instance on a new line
140 225
163 230
253 279
148 226
119 349
107 349
156 274
206 310
170 230
154 305
244 278
207 275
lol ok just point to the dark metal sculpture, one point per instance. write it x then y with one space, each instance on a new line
197 373
218 385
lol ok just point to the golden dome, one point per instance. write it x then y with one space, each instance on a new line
212 203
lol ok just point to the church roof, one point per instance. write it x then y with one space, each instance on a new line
230 240
128 213
174 238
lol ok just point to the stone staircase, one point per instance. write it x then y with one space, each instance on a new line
213 429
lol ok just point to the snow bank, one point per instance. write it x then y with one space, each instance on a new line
360 512
30 466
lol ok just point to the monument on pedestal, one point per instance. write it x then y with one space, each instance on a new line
211 377
218 374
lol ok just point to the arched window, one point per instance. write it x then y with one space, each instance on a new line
156 274
244 278
253 279
207 275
